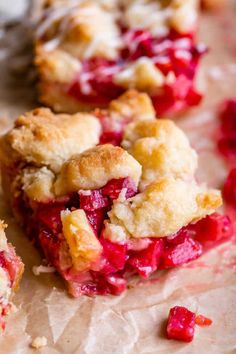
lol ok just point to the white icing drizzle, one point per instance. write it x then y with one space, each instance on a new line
148 14
54 14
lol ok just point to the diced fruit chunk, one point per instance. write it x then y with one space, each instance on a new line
96 219
114 256
115 186
184 252
50 216
92 200
147 260
181 324
213 229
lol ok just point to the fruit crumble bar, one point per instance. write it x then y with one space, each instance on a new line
104 202
89 52
11 269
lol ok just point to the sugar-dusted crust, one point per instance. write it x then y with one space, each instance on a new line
43 138
161 148
37 183
95 167
89 170
163 208
132 105
57 65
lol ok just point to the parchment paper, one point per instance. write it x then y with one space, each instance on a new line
135 321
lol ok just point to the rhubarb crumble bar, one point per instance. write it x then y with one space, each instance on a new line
105 201
11 269
89 52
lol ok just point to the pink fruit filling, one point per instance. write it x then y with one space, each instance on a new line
227 139
118 260
181 324
13 266
174 54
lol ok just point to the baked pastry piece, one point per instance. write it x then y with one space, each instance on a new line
89 52
11 269
101 212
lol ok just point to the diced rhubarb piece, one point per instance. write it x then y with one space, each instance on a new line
213 229
99 87
203 321
181 324
138 43
96 218
99 285
2 259
112 129
229 191
111 137
115 186
116 284
50 245
179 236
228 117
114 256
146 261
12 263
184 252
50 216
92 200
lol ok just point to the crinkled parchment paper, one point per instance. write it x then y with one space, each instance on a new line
135 321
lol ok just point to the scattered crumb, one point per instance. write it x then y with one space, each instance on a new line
37 270
203 321
39 342
130 286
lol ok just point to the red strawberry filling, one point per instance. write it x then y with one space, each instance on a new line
176 54
181 324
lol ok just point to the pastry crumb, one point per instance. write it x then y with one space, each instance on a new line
39 342
37 270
